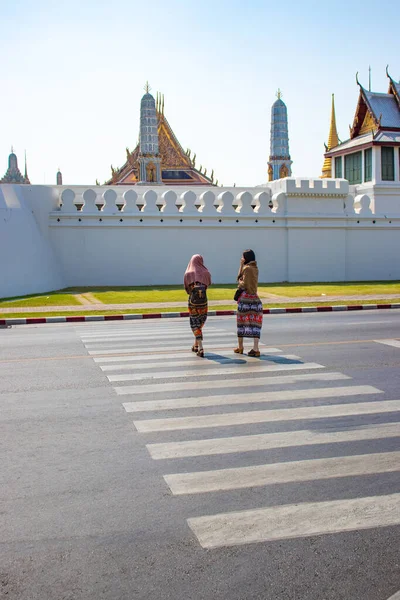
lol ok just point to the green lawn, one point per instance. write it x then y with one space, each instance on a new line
175 293
177 309
49 299
168 293
292 290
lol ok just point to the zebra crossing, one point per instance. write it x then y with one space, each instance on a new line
229 404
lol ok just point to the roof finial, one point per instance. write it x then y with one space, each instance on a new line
333 141
279 94
12 149
147 88
369 78
358 83
26 168
162 104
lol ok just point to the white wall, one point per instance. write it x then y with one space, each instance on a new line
27 261
317 230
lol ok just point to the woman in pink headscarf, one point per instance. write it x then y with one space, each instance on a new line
196 281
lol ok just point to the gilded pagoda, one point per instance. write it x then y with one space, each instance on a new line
158 158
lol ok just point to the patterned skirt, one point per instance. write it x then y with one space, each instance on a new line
198 309
249 316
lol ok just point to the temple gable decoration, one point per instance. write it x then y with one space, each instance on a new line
172 165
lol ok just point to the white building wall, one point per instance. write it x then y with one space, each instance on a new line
316 230
27 261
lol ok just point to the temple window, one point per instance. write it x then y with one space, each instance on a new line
338 167
368 164
352 168
387 159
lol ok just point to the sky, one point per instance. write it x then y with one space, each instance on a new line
73 74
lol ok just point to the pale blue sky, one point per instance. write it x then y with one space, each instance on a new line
73 73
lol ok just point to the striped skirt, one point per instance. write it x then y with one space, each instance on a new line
249 316
198 309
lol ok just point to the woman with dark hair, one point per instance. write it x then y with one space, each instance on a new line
250 308
196 281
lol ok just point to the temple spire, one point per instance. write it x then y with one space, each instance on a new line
149 155
333 141
13 174
26 168
279 164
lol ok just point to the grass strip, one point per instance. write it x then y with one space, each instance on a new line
176 293
50 299
181 309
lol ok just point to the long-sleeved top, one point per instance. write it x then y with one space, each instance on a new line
248 277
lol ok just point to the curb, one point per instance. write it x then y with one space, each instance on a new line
211 313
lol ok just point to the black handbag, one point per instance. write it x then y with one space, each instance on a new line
238 293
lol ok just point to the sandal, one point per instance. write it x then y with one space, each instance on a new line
255 353
238 350
195 349
200 353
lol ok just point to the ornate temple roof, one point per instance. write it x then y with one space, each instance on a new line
177 166
13 174
385 109
376 121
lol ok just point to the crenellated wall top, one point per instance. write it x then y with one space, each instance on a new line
323 188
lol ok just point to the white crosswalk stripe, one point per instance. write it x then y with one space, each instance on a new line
152 349
117 341
152 355
249 398
152 335
246 369
394 343
296 520
238 384
183 355
269 441
261 475
267 416
187 361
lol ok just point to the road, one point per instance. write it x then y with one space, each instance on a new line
131 469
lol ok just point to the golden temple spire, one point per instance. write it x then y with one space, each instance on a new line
279 94
147 88
333 141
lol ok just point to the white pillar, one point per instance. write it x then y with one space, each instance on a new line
376 161
396 164
362 166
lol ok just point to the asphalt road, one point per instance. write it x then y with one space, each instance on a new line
132 469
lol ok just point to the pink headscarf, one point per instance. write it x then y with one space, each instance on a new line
196 271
